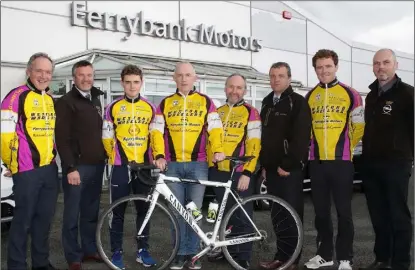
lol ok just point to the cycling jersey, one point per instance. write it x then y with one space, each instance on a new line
185 122
337 121
27 129
128 131
242 135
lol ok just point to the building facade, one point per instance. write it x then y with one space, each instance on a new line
219 38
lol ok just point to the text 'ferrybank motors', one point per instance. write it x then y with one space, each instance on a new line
141 26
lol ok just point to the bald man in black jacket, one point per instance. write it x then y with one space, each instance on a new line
388 153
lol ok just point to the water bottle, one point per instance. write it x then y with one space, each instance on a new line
194 211
212 211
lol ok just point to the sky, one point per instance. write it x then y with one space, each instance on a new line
379 23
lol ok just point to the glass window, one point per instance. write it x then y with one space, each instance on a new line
114 97
103 63
262 91
63 70
58 87
258 104
155 100
116 85
218 89
215 88
160 85
248 91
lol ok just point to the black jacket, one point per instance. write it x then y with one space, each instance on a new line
79 129
286 131
389 117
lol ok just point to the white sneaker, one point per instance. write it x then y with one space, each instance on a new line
317 262
345 265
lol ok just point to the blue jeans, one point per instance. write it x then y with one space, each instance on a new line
186 192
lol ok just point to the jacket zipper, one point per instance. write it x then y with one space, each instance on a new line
267 116
184 127
224 134
47 125
134 139
325 122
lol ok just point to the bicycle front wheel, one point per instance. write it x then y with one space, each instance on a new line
118 229
280 229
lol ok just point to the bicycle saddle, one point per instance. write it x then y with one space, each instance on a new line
243 159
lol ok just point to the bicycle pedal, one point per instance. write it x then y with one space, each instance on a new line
215 258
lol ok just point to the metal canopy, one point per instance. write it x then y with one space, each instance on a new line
105 60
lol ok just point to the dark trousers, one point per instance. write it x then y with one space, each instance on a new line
333 178
290 189
81 204
121 187
386 188
240 224
35 194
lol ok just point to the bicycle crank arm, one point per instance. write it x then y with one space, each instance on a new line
201 254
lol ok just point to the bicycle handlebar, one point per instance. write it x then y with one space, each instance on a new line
137 172
239 160
134 166
137 168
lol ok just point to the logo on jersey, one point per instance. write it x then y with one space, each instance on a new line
35 102
194 105
134 130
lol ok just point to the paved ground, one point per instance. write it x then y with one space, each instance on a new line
362 244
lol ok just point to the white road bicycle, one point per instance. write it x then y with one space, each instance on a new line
261 234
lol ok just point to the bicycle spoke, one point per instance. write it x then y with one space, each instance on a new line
159 237
285 220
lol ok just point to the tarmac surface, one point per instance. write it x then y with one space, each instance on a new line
363 240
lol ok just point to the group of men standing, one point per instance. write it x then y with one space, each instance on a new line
324 127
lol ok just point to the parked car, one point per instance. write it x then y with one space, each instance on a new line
261 183
7 199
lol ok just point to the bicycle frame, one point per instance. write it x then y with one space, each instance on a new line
162 188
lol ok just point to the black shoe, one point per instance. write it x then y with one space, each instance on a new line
243 264
377 265
49 267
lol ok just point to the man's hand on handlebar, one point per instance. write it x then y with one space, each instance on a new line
218 157
161 163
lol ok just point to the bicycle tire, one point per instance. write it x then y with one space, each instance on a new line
275 199
162 206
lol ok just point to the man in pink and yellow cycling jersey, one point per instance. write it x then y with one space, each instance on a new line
187 119
337 126
28 150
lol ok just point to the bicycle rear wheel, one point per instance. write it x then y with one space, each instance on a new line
283 234
162 225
